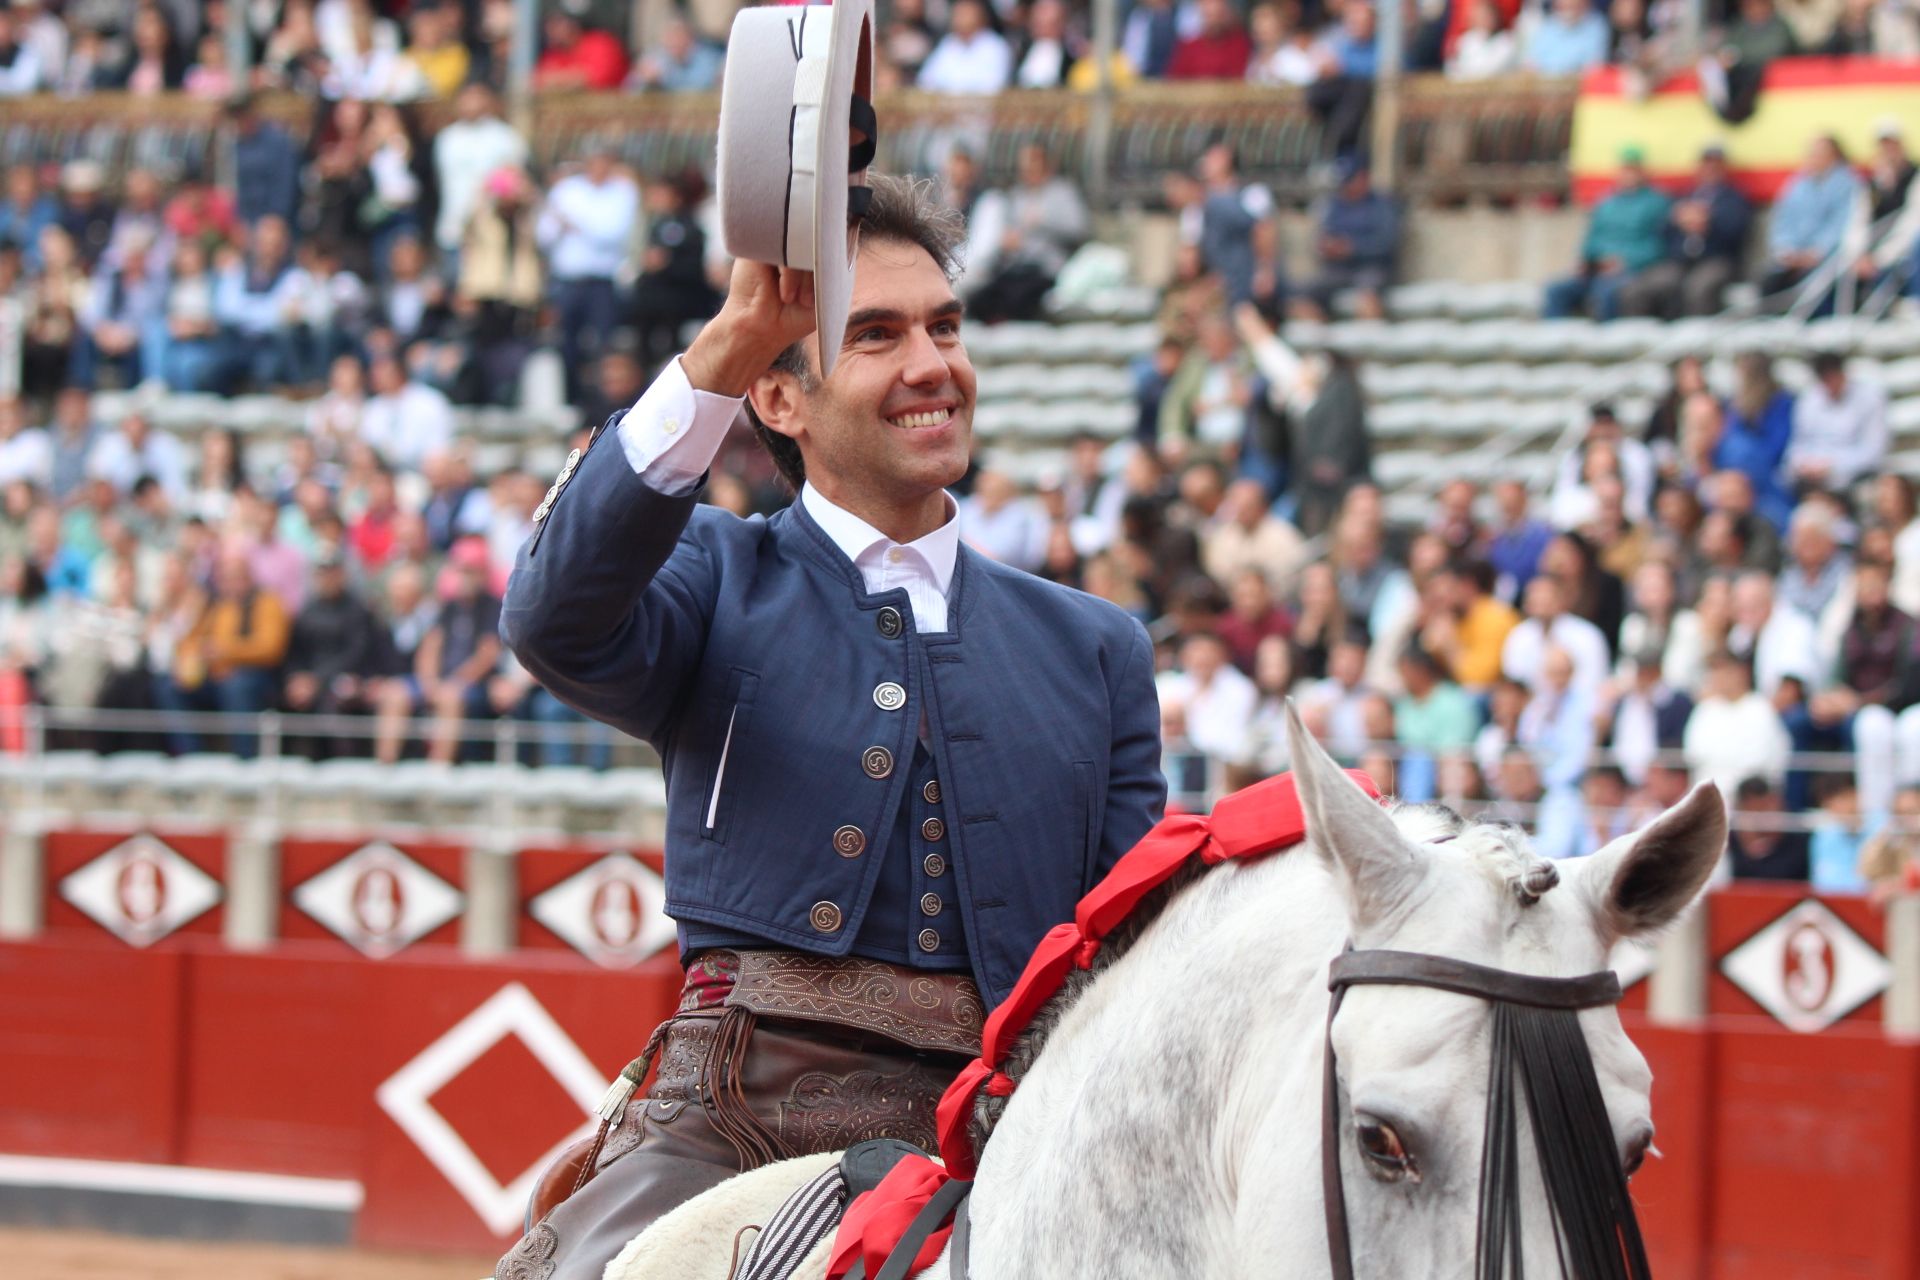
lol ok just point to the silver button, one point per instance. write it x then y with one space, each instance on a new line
825 917
931 792
889 696
933 829
929 940
877 761
934 865
930 904
849 841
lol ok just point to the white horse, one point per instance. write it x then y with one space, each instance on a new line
1168 1116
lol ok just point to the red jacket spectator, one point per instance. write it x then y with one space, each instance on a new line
1220 51
579 58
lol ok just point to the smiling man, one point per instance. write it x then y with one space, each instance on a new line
891 763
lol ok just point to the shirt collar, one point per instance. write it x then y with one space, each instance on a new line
856 538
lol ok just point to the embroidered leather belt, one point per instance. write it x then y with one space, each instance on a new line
931 1012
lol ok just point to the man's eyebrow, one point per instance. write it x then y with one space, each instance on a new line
952 307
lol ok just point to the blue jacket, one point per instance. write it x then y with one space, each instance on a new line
749 651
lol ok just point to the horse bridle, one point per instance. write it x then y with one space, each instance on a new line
1536 1035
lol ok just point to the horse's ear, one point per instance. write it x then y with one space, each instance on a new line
1640 883
1352 831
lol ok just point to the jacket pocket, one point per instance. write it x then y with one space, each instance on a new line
1086 824
738 707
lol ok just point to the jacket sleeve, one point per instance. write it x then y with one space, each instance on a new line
1136 784
608 605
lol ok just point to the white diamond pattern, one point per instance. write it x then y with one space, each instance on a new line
1808 968
613 911
407 1095
141 890
379 900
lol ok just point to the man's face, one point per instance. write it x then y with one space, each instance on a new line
895 418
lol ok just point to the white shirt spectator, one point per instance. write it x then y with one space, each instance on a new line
1346 713
1219 715
1527 644
115 460
1906 569
1482 55
1014 534
27 456
1291 63
1572 504
22 75
408 425
1729 742
1788 645
587 227
1044 66
981 65
1848 434
464 153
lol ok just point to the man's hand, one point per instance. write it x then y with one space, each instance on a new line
302 686
767 310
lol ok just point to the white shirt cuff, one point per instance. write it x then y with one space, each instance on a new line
672 433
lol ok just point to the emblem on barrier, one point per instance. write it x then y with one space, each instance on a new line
379 900
1808 968
613 911
141 890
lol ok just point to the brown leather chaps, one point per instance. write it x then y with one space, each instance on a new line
806 1054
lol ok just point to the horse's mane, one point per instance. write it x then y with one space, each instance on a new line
1500 847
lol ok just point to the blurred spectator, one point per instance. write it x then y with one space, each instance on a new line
586 228
465 152
135 450
1839 429
1148 37
1857 712
1890 859
25 211
209 77
1320 620
391 209
1485 49
451 666
1625 236
1205 405
156 62
335 652
1782 644
1811 215
1044 220
503 278
1734 733
905 40
1335 708
1567 40
1329 447
672 288
1283 50
1234 229
139 223
197 211
1706 238
1817 569
1554 814
438 60
1625 458
1434 716
1760 845
1549 624
75 432
85 213
1517 540
404 420
1048 51
999 522
679 63
1647 715
1219 49
1252 618
26 453
1471 638
1604 796
123 323
230 658
1246 535
972 58
577 57
1756 432
20 70
1868 27
258 302
1342 97
1557 725
266 166
1358 242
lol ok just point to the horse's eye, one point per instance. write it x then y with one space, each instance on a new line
1387 1157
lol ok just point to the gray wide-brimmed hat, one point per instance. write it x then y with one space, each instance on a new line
796 93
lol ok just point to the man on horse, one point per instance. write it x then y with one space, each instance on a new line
892 763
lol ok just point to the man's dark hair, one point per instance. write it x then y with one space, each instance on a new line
1827 363
902 211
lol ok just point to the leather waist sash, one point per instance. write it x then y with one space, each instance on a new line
928 1011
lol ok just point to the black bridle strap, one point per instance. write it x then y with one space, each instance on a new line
1415 969
1412 969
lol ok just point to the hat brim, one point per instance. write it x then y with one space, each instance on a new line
785 128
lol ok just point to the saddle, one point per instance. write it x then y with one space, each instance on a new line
814 1211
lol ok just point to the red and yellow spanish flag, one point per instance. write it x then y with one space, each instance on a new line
1800 99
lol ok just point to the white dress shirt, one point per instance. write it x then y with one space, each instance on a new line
587 229
1526 647
404 428
671 435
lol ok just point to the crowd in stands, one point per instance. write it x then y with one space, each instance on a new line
406 50
1647 253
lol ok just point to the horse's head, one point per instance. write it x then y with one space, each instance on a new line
1414 1062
